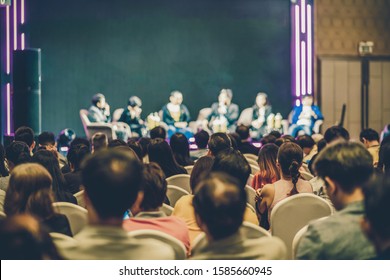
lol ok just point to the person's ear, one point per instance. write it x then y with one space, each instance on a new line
33 145
136 207
331 186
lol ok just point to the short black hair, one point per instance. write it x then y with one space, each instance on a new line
369 134
136 147
144 143
116 143
243 131
268 139
46 138
76 154
218 142
25 134
305 141
232 162
348 163
377 206
336 132
79 140
154 187
235 140
17 152
112 180
99 141
158 132
220 204
201 139
275 133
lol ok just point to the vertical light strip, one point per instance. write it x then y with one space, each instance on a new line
15 25
303 16
309 51
22 41
297 102
8 43
303 66
22 12
297 50
8 108
22 36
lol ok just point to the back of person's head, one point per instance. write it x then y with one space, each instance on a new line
46 138
181 148
336 133
116 143
384 156
305 141
268 139
289 138
99 141
219 204
136 147
144 143
17 153
161 153
29 191
79 140
201 139
235 139
23 238
154 187
369 135
3 169
377 209
320 146
232 162
218 142
267 161
76 154
347 163
158 132
112 180
98 97
275 133
243 131
201 169
290 157
25 134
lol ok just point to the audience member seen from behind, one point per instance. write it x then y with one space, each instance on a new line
144 143
158 132
219 204
161 153
148 215
99 141
26 134
23 238
136 147
183 208
3 167
269 172
181 149
308 146
345 167
29 192
218 142
384 157
370 140
201 139
50 162
112 181
335 133
376 223
289 161
245 146
76 155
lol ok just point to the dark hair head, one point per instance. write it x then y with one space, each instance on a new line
243 131
99 141
46 138
288 138
201 139
275 133
3 169
25 134
267 139
161 153
181 149
23 238
321 145
384 156
136 147
154 187
347 163
267 162
290 158
335 133
158 132
79 140
18 152
134 101
232 162
219 142
201 169
377 206
144 143
111 180
29 191
220 204
235 139
48 160
369 134
305 141
116 143
76 154
97 98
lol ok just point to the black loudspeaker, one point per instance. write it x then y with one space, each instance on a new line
27 89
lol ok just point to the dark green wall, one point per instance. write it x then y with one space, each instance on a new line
149 48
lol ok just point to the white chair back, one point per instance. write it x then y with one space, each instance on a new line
62 240
250 196
85 121
80 198
77 215
2 215
189 169
251 207
252 162
117 114
293 213
250 179
166 209
180 180
251 156
174 193
177 246
306 175
254 169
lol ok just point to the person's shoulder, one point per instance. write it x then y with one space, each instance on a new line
274 248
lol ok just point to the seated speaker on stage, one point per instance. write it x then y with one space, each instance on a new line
261 114
176 115
224 113
304 117
99 112
132 116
